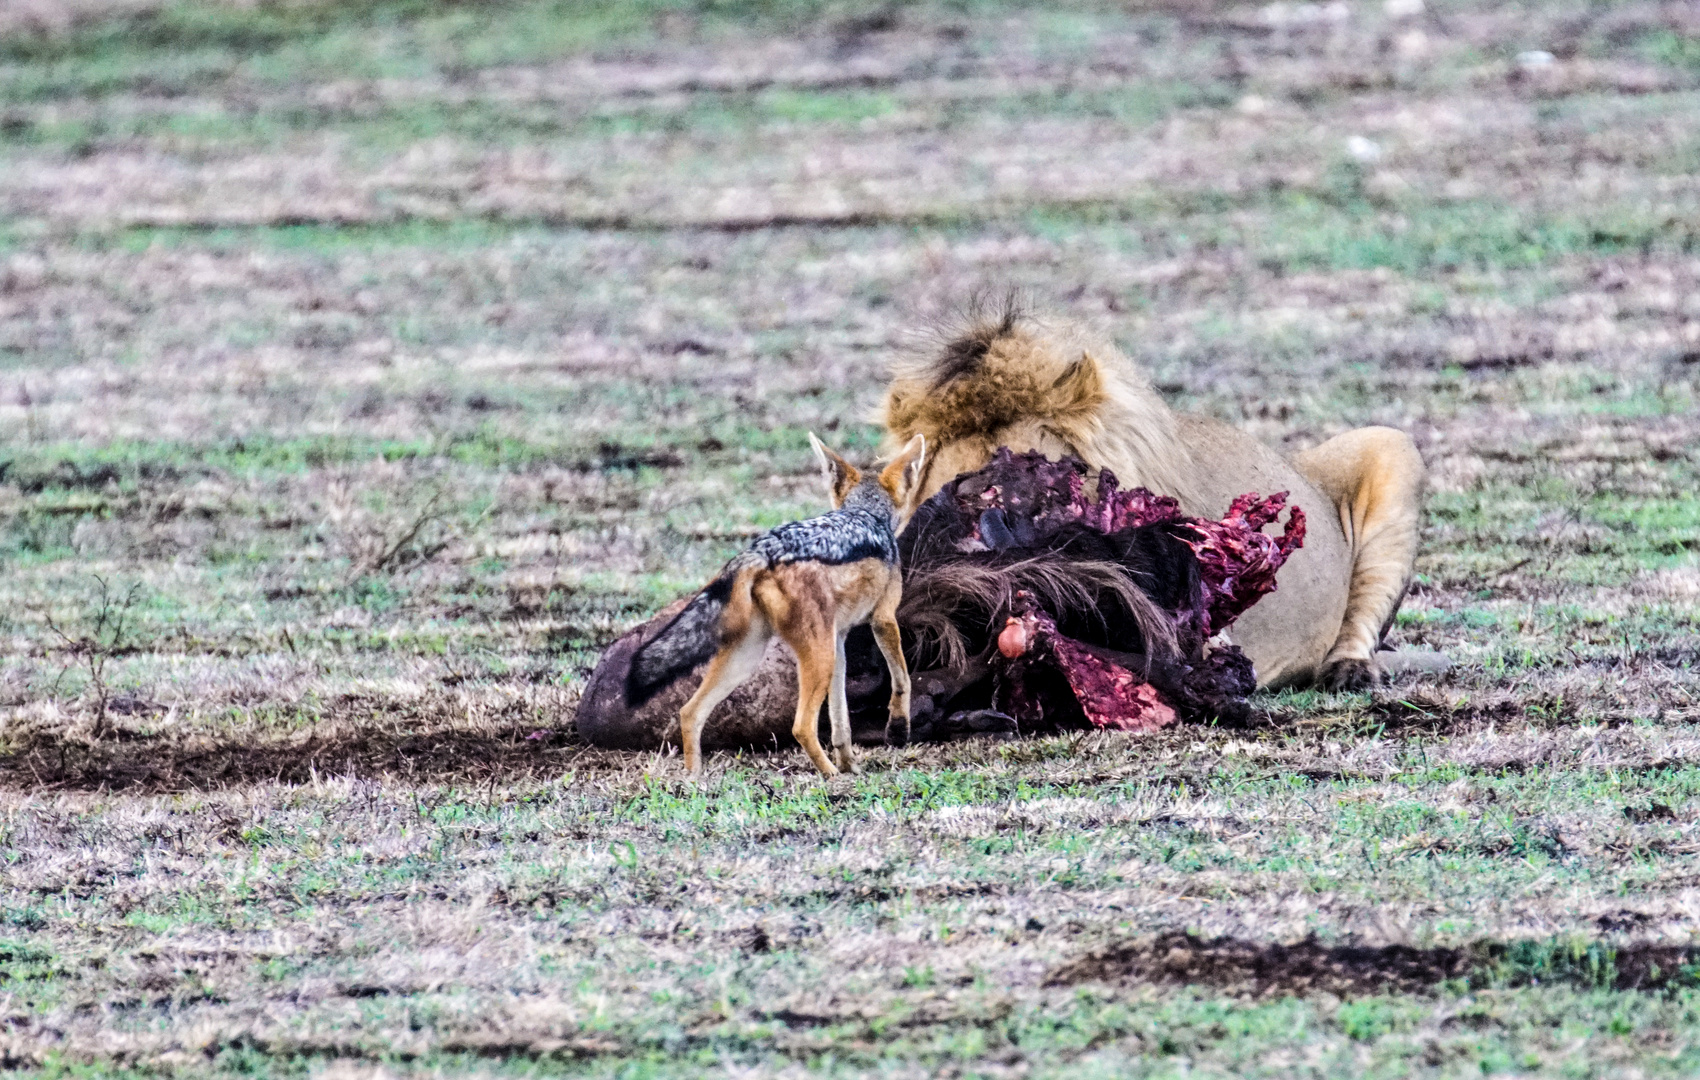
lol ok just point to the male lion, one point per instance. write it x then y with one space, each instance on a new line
1011 380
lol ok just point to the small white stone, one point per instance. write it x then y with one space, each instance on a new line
1403 9
1252 105
1535 58
1363 149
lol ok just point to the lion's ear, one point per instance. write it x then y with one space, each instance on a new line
1080 386
900 410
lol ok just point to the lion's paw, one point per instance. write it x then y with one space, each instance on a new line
1350 673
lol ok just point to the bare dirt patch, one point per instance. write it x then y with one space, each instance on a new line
415 753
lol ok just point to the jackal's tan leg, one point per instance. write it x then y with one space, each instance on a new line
734 663
815 655
1375 478
890 641
798 605
838 707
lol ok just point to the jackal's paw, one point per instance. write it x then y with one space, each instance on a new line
897 731
1350 673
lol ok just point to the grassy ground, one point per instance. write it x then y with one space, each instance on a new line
366 366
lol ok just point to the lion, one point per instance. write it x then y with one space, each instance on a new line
1011 379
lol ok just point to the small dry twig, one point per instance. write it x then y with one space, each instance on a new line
104 639
405 550
392 554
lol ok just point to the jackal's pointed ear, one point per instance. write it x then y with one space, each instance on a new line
902 477
840 475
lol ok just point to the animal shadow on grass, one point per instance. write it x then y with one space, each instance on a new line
354 743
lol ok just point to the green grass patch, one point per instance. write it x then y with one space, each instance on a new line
187 45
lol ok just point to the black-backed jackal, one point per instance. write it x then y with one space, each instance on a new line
809 582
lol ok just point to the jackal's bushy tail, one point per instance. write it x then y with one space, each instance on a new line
690 639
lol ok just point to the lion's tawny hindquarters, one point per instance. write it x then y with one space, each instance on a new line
1288 633
1375 477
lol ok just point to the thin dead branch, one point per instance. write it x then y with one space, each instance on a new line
92 650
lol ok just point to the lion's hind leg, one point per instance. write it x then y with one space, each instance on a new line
1374 475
